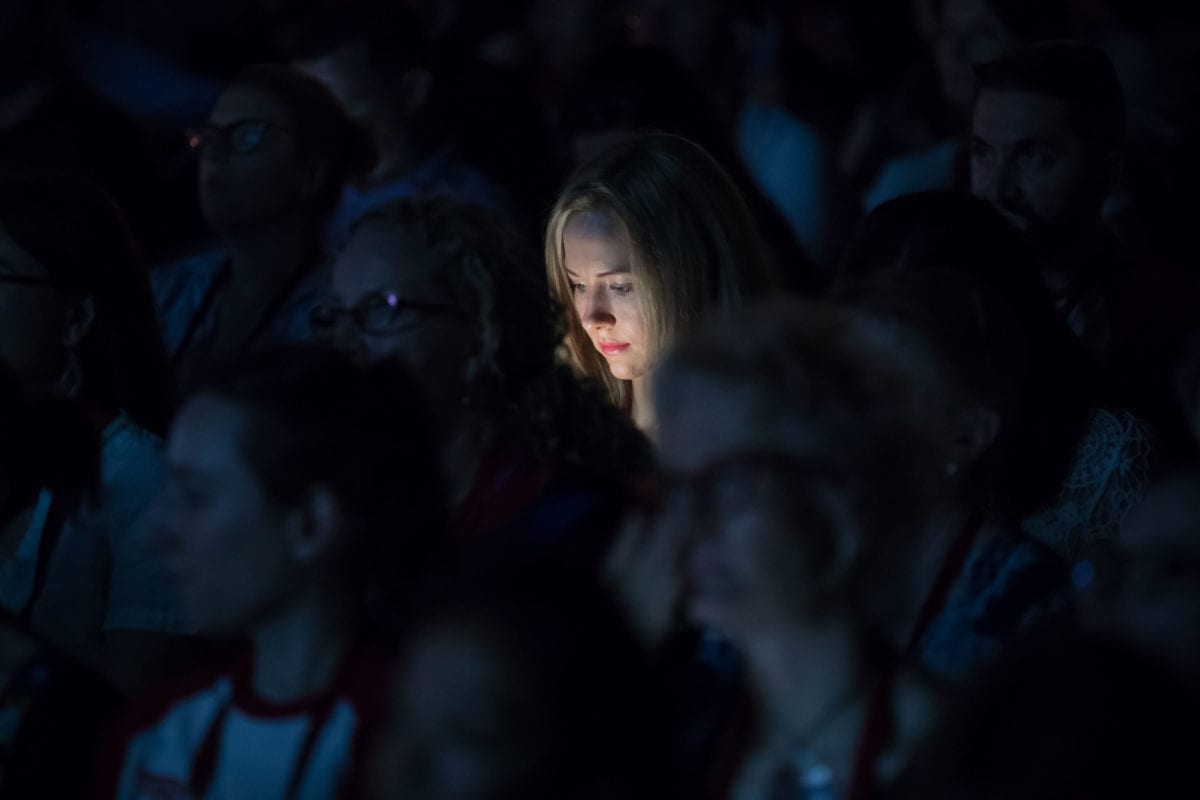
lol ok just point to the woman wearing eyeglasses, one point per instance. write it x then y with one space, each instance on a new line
797 474
77 322
274 157
447 291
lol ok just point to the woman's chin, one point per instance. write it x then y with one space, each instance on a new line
626 372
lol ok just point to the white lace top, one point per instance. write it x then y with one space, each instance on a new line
1107 478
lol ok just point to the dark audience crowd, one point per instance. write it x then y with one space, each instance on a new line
599 399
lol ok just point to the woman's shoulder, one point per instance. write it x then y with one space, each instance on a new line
179 289
131 470
169 280
129 455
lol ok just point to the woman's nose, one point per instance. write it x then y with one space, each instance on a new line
596 311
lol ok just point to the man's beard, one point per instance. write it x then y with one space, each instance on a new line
1051 239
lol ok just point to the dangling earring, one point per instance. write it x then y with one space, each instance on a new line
70 383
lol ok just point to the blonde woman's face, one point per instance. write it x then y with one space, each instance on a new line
597 254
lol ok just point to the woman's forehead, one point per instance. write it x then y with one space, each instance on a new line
242 102
595 222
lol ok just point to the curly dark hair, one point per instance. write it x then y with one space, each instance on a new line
519 382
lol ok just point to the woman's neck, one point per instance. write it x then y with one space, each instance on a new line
642 407
297 654
263 260
397 154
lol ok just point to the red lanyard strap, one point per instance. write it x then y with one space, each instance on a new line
204 768
952 567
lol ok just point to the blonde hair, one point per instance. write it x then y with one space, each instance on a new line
695 248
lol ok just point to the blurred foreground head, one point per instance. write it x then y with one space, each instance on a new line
522 683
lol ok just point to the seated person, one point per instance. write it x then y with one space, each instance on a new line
1048 132
1093 459
299 488
646 240
44 441
981 584
77 321
274 157
796 477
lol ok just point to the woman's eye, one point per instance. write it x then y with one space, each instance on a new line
577 288
621 289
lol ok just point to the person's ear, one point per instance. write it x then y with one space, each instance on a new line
80 316
976 430
315 527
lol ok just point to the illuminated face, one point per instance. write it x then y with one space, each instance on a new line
1027 161
597 252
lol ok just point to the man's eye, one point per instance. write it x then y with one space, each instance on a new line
980 151
1038 158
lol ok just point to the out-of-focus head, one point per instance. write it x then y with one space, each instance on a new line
954 232
369 56
943 230
568 34
646 240
76 312
967 354
1047 130
1144 588
447 290
696 34
521 684
278 147
297 472
783 440
969 32
32 36
628 91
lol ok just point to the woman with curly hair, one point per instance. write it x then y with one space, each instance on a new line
443 288
647 239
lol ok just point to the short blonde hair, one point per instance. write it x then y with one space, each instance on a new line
696 249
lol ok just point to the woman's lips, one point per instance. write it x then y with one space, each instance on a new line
610 349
